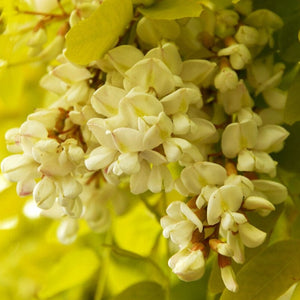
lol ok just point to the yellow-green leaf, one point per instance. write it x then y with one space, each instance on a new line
141 237
146 290
74 268
92 38
269 274
173 9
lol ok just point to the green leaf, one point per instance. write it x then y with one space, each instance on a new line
296 293
146 290
173 9
74 268
288 158
289 45
269 274
292 108
92 38
283 8
194 290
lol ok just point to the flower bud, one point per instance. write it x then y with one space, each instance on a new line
247 35
38 38
53 49
18 167
53 84
229 278
188 265
258 203
226 79
67 231
45 5
44 193
74 18
225 21
71 73
13 139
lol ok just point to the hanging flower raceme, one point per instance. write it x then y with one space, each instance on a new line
175 109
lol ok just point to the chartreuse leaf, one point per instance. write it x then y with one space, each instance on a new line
146 290
74 268
288 158
269 274
292 109
127 268
92 38
141 237
173 9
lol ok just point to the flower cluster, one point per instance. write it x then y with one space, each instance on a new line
174 110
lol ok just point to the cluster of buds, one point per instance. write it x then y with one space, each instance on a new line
173 111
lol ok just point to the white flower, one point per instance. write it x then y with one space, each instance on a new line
167 53
105 100
122 58
69 72
180 100
188 265
150 73
243 182
251 236
257 161
239 136
180 223
198 71
239 55
19 167
270 138
200 174
227 198
275 192
234 100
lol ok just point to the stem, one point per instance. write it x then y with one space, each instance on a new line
133 255
103 272
39 13
151 208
